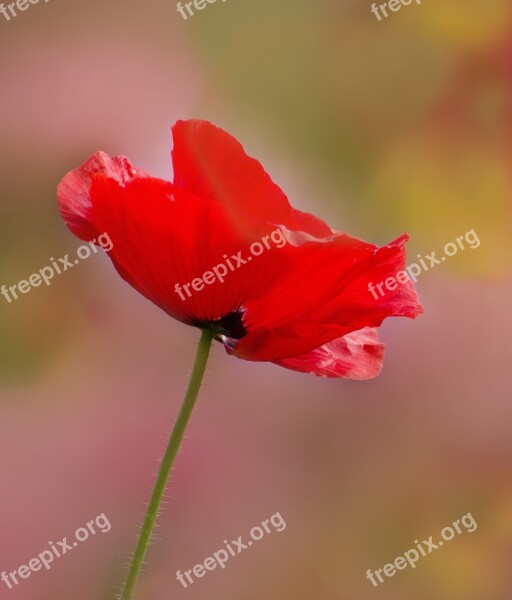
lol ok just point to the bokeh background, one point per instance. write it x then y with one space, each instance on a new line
377 127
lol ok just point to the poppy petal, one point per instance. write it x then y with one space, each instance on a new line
210 163
324 295
160 245
357 355
74 191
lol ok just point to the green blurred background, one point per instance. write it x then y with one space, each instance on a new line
378 128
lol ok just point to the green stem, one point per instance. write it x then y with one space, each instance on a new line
173 446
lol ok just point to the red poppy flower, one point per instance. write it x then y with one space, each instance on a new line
295 292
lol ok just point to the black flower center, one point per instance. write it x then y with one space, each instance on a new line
227 329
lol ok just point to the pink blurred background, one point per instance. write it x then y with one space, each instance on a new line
378 128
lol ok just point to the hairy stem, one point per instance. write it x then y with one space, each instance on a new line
173 446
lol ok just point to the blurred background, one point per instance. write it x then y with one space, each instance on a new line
376 127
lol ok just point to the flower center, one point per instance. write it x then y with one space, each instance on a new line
227 329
